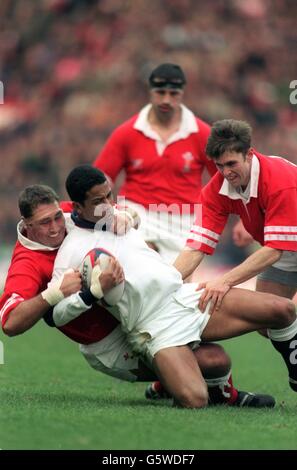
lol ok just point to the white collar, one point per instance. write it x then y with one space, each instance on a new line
34 246
188 125
228 190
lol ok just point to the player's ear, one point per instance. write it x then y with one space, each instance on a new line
24 222
77 207
250 154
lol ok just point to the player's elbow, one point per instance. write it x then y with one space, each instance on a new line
10 329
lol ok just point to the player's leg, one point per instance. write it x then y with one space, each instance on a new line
244 311
215 366
179 372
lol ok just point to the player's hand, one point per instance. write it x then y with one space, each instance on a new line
241 236
214 292
71 282
111 276
122 222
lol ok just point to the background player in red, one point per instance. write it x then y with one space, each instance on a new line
162 150
262 190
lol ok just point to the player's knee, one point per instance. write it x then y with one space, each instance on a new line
189 397
213 360
284 311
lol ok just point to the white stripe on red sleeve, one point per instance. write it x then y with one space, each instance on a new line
201 239
10 304
204 231
280 229
286 238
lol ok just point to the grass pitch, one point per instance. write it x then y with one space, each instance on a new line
51 399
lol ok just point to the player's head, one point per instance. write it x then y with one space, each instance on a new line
229 145
166 82
42 217
90 192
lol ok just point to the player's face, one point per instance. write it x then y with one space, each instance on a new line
166 101
98 203
235 167
47 225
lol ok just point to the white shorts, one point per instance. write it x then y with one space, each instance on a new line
169 232
112 356
177 322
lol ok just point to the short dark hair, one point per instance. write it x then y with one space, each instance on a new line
167 75
34 195
81 179
228 135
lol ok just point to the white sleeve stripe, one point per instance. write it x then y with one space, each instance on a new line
14 299
205 231
280 228
288 238
199 238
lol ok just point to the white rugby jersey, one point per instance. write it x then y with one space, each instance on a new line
149 281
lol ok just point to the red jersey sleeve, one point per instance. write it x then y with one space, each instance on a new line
210 220
280 225
111 159
23 282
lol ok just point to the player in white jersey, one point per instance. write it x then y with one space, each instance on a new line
158 312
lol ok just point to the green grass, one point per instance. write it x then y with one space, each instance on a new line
51 399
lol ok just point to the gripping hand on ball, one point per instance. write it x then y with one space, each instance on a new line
103 281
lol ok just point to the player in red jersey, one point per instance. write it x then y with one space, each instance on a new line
262 190
162 150
26 299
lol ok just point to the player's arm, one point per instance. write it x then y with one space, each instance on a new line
124 218
114 146
101 283
241 237
215 290
187 261
205 233
27 312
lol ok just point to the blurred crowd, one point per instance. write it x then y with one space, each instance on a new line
74 69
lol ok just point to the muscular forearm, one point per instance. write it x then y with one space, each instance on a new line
252 266
25 315
187 261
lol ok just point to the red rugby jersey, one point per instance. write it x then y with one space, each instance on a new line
270 214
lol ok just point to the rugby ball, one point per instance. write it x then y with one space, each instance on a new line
101 257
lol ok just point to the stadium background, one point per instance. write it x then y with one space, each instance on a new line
72 70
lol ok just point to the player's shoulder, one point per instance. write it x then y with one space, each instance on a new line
203 127
277 172
214 184
126 127
66 206
25 253
25 261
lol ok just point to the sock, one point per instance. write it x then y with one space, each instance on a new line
285 342
158 387
221 390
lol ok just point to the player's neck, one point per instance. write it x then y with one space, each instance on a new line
166 126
